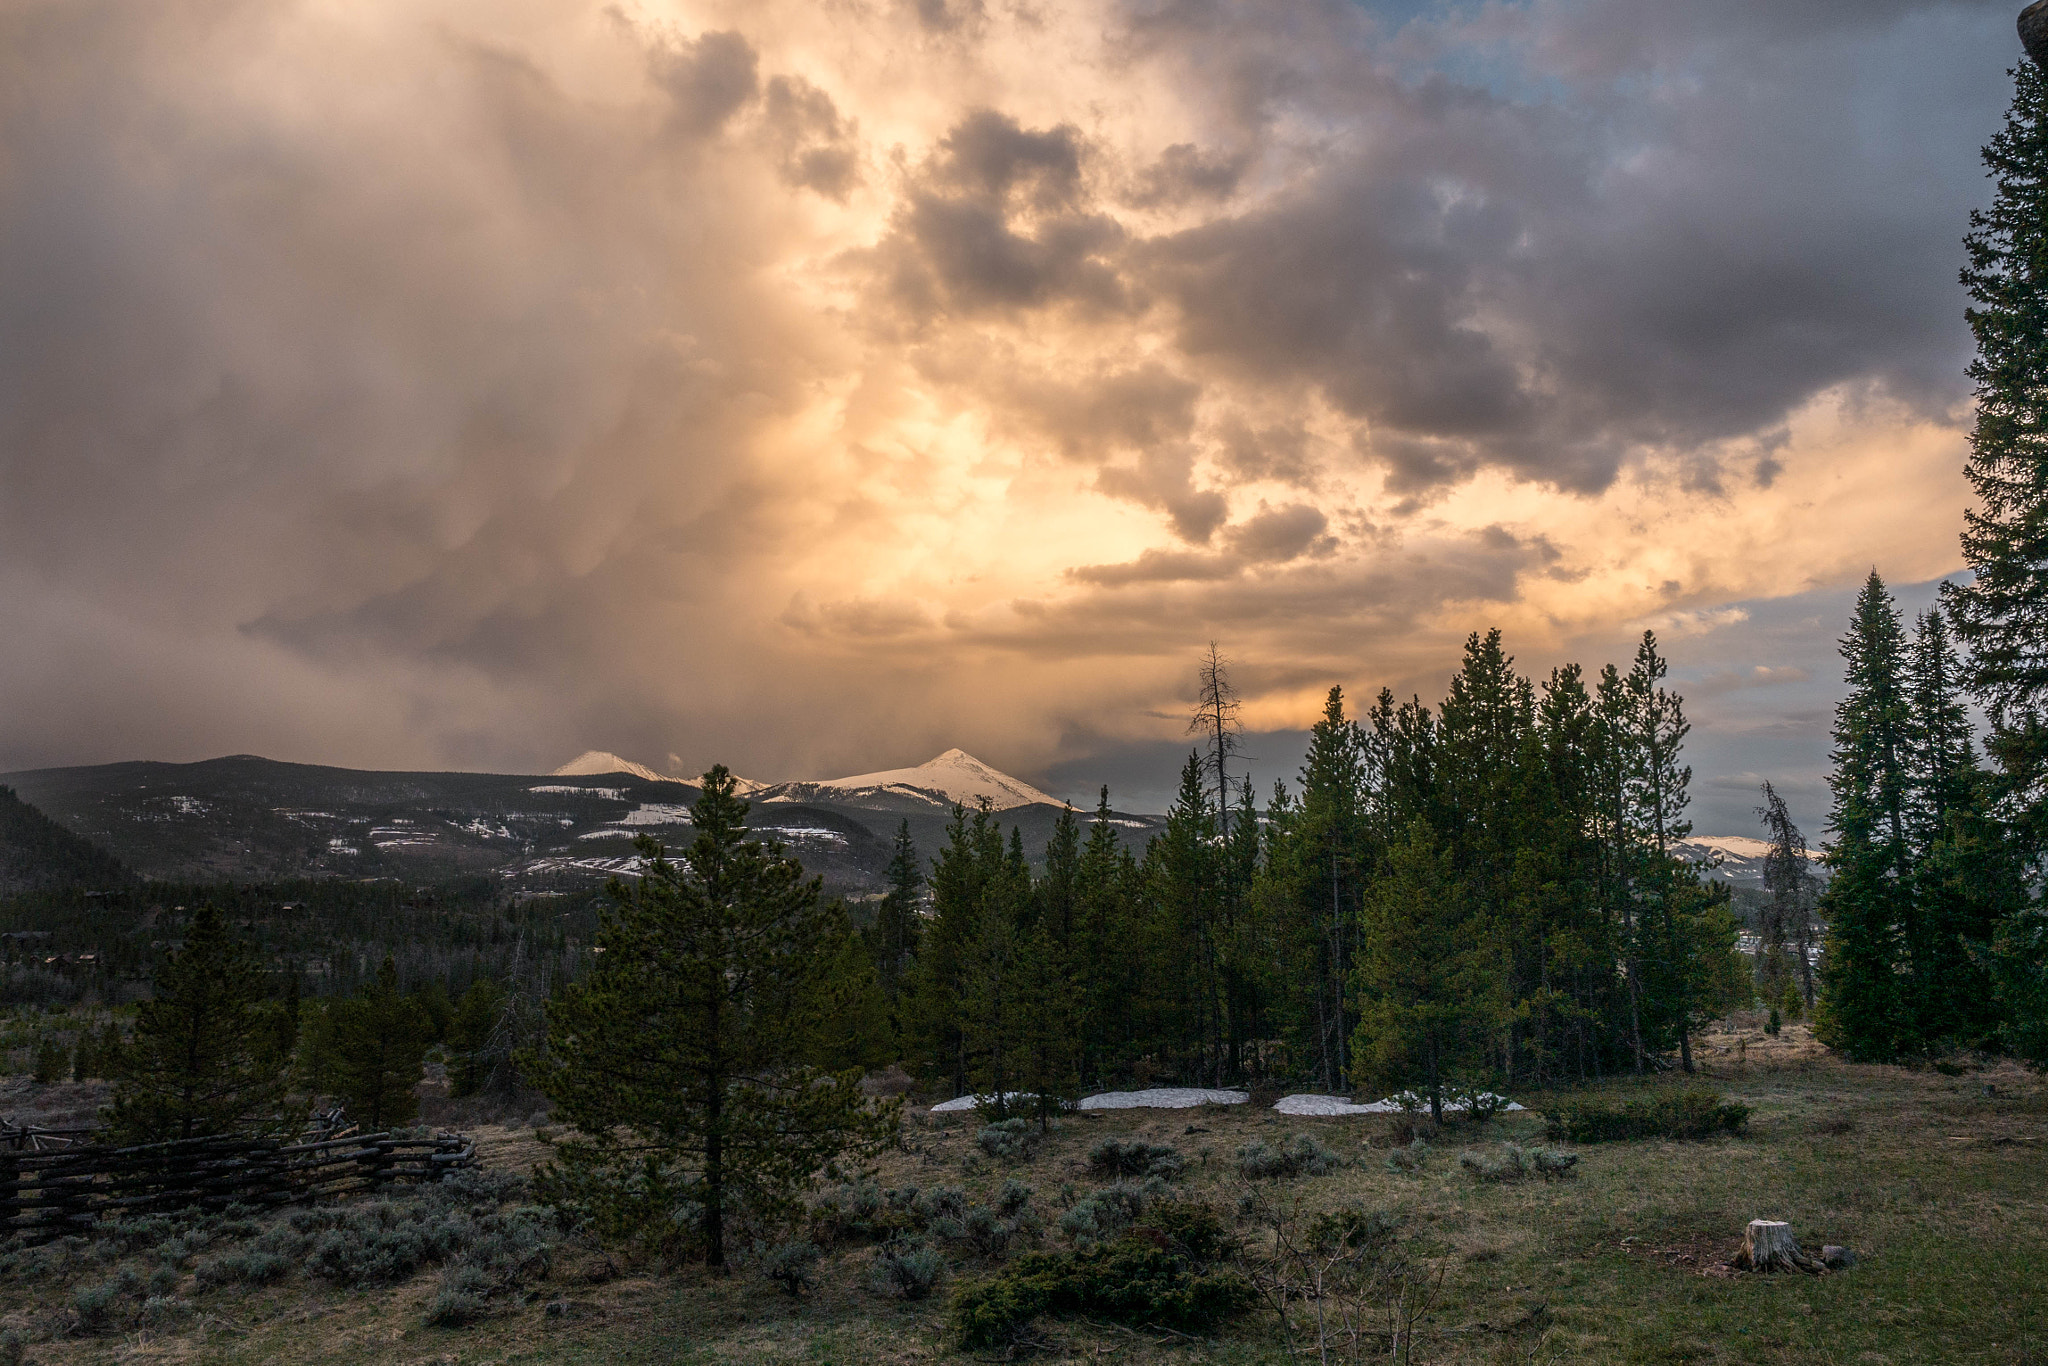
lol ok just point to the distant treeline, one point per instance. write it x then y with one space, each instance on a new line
328 936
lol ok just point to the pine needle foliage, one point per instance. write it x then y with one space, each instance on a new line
2001 613
682 1059
200 1061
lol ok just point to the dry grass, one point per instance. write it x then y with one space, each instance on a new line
1937 1181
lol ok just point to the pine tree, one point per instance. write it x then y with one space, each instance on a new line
379 1040
935 1043
1862 1009
471 1060
1318 861
676 1059
1997 612
1106 969
1658 795
199 1062
1428 994
1182 878
900 920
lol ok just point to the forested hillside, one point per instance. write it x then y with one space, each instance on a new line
37 853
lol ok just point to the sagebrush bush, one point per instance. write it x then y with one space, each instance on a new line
1101 1215
1516 1163
1410 1159
1133 1157
907 1267
99 1307
1009 1140
793 1265
165 1311
1690 1114
1162 1273
1301 1155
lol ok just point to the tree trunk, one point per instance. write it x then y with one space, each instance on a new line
1768 1245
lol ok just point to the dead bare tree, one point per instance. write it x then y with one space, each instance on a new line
1217 717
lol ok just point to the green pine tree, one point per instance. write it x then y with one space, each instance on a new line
471 1030
1996 612
378 1045
1426 986
1863 1008
679 1058
199 1062
900 919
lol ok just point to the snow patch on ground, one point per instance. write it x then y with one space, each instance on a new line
960 1103
1158 1098
1163 1098
1327 1106
655 813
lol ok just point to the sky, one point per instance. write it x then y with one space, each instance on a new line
812 387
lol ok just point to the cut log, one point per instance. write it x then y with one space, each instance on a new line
1768 1245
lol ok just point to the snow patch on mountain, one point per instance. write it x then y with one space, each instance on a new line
593 763
955 776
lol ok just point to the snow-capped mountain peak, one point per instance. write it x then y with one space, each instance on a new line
955 776
593 763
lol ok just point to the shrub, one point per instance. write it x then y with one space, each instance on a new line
256 1266
861 1209
1010 1140
1516 1163
1131 1157
1410 1159
163 1311
1160 1273
1012 1200
1690 1114
1103 1214
906 1267
793 1266
463 1298
1301 1155
97 1306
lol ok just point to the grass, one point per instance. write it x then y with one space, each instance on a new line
1940 1187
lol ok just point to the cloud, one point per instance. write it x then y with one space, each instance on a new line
443 383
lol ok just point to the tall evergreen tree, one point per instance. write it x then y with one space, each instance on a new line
1998 611
899 921
1863 1010
200 1061
676 1058
1429 996
379 1040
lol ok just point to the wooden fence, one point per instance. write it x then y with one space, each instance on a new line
51 1184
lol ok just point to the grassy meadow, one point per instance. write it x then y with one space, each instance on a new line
1937 1180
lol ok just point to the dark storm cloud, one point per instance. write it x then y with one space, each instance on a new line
999 219
457 383
1641 226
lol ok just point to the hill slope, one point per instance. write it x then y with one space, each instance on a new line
36 853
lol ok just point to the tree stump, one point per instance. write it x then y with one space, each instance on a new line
1768 1245
2034 31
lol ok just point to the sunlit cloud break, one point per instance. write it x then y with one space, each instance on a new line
815 388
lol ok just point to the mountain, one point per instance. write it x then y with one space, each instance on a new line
38 854
1739 859
954 777
595 763
252 819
